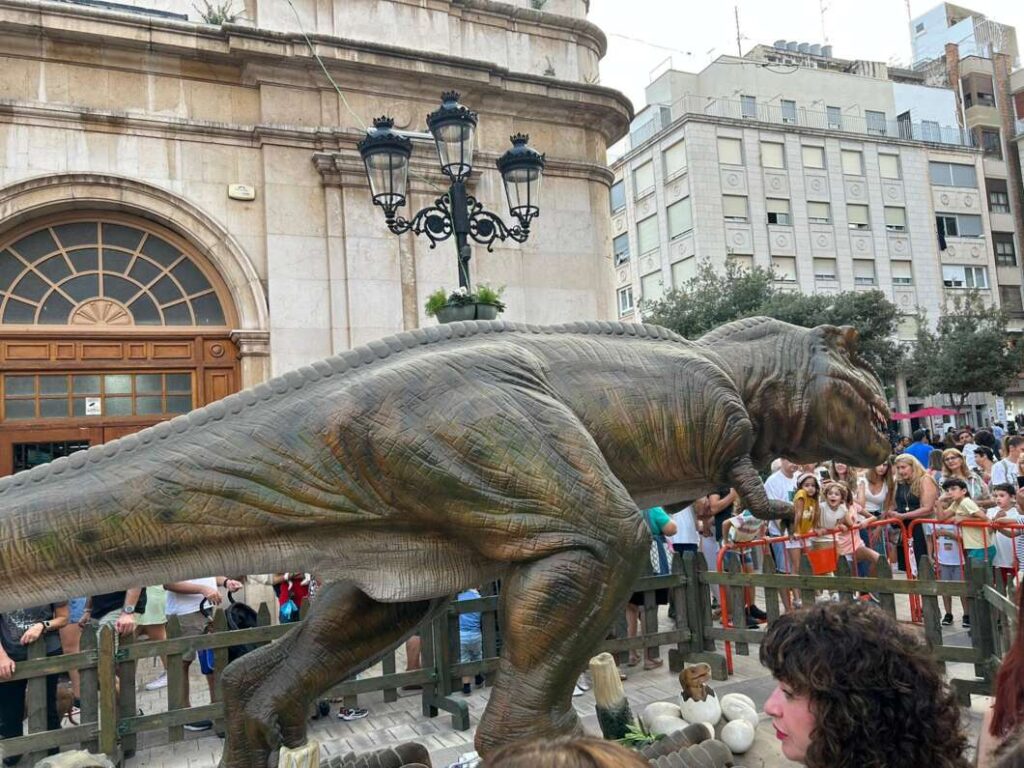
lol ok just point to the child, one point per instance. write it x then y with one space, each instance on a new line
805 520
740 529
1006 561
832 516
470 640
950 560
977 546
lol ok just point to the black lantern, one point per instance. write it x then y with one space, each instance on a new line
453 126
386 156
521 170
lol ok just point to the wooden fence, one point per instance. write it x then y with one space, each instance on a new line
110 722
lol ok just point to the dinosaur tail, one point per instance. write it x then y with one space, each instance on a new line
146 511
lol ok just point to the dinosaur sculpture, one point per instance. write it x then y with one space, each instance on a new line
427 462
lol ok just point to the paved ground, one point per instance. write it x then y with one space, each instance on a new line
401 721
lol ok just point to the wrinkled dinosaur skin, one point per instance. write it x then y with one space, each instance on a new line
435 460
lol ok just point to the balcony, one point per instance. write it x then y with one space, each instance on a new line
758 112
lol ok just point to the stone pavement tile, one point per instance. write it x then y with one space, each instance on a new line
402 733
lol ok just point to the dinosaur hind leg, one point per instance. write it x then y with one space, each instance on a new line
267 693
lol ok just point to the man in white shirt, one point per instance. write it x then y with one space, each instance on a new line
781 486
685 538
965 442
1006 470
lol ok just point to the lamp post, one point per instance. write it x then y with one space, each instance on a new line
386 153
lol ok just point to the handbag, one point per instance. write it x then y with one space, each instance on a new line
659 551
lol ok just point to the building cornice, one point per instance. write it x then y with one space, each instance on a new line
516 14
608 110
799 129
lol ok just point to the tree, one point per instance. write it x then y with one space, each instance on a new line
970 350
712 298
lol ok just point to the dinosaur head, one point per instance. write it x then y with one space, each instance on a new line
845 409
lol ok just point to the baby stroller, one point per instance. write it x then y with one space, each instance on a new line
238 616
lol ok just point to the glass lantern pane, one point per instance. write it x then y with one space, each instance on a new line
523 191
388 173
455 147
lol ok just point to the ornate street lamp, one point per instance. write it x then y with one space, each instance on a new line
386 156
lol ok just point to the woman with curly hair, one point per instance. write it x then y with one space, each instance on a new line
1004 722
855 689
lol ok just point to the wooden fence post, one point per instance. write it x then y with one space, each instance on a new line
683 619
982 636
843 572
35 700
771 594
807 596
175 680
737 603
930 607
89 687
886 600
126 671
108 693
220 663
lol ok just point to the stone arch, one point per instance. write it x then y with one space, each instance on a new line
44 195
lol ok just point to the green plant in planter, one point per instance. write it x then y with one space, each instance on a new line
440 300
486 295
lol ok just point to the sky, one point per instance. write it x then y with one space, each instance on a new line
644 34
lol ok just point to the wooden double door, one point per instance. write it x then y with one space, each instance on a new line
59 396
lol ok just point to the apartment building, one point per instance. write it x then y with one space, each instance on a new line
810 171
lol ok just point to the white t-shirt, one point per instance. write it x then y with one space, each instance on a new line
182 605
686 526
968 452
780 488
947 548
1004 471
745 527
873 502
1005 544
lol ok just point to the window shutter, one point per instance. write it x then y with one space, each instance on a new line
857 214
772 155
647 234
730 151
643 178
896 217
680 218
734 207
675 158
784 268
684 271
814 157
889 166
853 164
819 212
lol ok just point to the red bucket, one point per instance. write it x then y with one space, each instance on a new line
822 558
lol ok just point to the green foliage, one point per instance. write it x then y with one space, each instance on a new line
216 13
970 350
483 294
637 736
712 298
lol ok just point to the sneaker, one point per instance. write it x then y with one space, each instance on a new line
967 620
758 614
156 685
199 725
467 689
947 620
752 623
577 691
352 713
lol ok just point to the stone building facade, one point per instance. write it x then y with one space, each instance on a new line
183 211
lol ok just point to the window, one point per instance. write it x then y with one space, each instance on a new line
62 396
788 111
784 268
618 196
824 269
959 224
742 262
675 159
748 107
853 162
857 216
680 218
907 327
652 287
863 272
814 157
997 199
730 151
819 213
620 248
875 122
919 28
952 175
684 271
991 144
1005 254
889 166
625 296
778 211
835 117
772 155
643 179
1010 298
895 219
956 276
87 272
734 207
901 273
647 235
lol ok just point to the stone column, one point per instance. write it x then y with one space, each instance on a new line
254 356
902 402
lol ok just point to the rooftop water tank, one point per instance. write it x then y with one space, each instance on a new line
804 47
780 44
792 45
815 50
826 51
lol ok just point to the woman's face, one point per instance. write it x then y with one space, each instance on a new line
882 470
841 469
952 463
793 721
904 471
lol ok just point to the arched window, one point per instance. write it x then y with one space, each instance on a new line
104 271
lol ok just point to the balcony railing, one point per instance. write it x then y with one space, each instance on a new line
802 117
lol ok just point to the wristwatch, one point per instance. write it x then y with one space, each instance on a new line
128 609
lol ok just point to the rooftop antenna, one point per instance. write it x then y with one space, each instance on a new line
739 48
823 6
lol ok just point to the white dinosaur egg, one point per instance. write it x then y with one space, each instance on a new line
661 709
738 697
664 725
707 711
738 736
734 709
